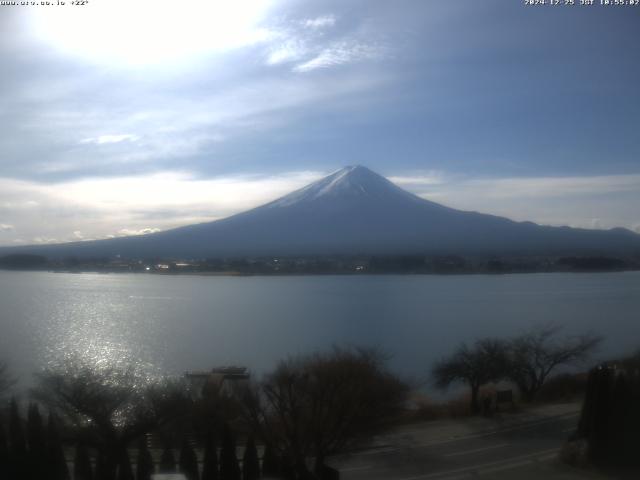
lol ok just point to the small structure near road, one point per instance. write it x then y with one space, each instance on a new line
504 396
219 378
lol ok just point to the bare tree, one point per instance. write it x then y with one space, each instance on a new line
535 354
317 405
484 362
109 407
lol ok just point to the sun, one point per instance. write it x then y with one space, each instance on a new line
148 32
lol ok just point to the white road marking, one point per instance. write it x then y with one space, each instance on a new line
542 458
494 432
500 464
376 452
468 452
354 469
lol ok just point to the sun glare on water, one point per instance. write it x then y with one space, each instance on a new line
148 32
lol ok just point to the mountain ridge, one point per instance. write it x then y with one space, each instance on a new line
352 211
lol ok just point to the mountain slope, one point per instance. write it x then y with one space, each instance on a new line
354 211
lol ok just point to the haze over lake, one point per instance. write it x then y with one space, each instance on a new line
178 323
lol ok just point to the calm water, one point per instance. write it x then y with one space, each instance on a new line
176 323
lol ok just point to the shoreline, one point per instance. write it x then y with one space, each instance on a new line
315 274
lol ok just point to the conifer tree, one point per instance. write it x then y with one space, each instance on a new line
125 472
144 468
250 462
287 470
37 444
17 444
167 461
188 461
622 404
105 467
229 468
82 464
4 451
210 466
270 464
56 462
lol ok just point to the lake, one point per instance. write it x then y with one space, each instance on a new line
178 323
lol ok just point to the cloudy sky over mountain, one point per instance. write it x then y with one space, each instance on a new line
125 117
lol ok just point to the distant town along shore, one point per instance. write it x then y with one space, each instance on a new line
323 265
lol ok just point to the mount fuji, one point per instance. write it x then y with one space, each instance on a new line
353 211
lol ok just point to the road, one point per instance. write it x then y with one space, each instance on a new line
418 454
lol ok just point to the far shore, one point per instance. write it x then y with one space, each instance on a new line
317 274
361 264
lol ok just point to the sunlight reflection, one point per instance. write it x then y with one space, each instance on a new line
96 337
147 32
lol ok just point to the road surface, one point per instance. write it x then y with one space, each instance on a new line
497 450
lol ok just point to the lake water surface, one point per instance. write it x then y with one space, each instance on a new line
177 323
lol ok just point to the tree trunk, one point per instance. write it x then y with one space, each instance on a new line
475 402
304 473
318 466
528 394
528 391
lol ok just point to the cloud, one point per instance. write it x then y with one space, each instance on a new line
431 178
596 223
44 240
196 29
339 54
558 186
288 51
205 115
95 208
141 231
5 227
604 201
314 44
320 22
102 139
504 188
163 128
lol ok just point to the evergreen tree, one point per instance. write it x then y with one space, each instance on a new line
188 461
210 466
621 412
598 445
37 444
125 472
17 444
105 466
56 462
4 451
229 468
145 467
250 462
167 461
288 472
610 419
82 464
270 464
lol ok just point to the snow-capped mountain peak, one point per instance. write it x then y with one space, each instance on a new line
354 181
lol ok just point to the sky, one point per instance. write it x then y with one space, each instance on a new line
125 117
